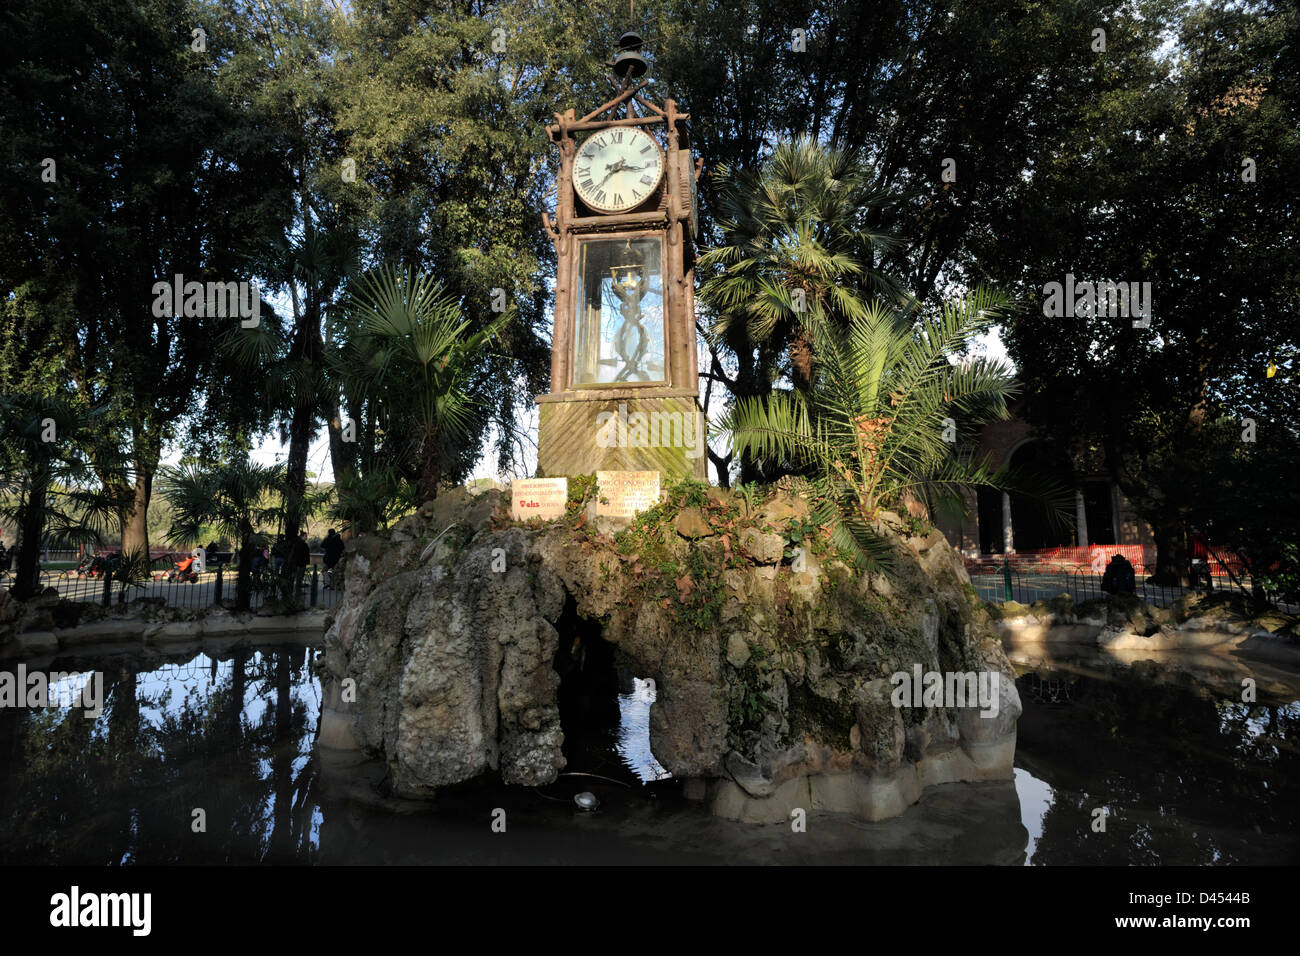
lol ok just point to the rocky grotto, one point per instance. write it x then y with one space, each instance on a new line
772 656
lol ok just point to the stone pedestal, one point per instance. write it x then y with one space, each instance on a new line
609 431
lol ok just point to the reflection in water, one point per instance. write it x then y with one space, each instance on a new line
634 732
1189 773
231 738
1035 797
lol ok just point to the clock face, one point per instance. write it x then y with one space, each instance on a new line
617 169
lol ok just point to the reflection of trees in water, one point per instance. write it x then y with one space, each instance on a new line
1188 776
123 788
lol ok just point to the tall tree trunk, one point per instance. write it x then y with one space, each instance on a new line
801 360
307 354
243 577
1171 551
296 480
427 486
135 516
30 531
342 458
746 387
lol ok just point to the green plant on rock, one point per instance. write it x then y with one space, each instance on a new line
871 429
805 533
581 488
751 493
748 708
689 493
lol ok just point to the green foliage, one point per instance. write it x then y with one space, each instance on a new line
871 429
1155 192
687 580
47 487
374 500
581 490
806 533
411 353
1245 499
795 254
748 709
131 569
689 493
284 587
228 498
157 173
453 165
751 493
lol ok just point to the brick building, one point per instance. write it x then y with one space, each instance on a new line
998 523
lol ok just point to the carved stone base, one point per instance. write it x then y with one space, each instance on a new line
578 436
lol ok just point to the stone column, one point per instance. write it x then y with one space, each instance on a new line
1080 518
1008 539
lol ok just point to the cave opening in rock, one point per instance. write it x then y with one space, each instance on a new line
587 695
604 708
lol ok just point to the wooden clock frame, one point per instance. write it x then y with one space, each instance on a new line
666 214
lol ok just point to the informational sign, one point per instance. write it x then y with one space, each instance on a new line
543 498
622 494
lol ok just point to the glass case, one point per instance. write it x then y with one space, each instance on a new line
619 321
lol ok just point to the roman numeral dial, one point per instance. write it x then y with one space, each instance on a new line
617 169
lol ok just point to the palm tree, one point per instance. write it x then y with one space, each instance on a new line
798 252
46 488
370 502
225 499
312 268
411 354
872 428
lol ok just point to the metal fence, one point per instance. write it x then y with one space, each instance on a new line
1025 586
211 588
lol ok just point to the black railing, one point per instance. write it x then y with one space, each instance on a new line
1026 586
215 586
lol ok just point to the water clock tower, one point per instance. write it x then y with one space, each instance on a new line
624 377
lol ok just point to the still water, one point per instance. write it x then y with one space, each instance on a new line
207 756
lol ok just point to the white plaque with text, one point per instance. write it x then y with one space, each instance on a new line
627 493
543 498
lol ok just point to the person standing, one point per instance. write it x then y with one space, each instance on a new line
299 558
331 550
1199 552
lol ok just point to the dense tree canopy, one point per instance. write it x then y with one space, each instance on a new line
301 144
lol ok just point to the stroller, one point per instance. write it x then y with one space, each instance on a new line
183 571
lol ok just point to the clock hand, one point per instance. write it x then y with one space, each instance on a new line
613 168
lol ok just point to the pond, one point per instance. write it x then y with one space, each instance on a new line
207 756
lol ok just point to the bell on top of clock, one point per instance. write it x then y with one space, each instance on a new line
629 63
